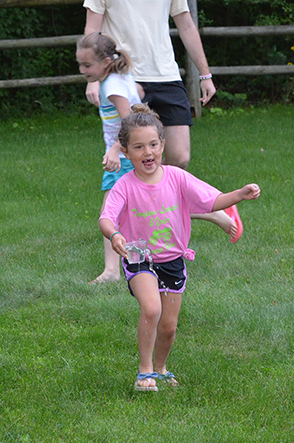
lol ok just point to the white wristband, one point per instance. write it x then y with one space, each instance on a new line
205 77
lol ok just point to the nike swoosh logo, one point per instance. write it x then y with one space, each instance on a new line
178 282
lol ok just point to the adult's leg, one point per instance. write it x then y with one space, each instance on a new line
177 146
112 259
145 289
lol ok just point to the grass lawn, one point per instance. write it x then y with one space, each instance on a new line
68 351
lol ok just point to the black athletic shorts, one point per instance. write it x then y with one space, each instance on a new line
171 275
170 101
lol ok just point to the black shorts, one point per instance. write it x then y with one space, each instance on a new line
170 101
171 275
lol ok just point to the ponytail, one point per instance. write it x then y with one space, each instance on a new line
103 47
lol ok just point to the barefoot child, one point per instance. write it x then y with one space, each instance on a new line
154 202
99 60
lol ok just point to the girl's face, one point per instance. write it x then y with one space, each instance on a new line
145 152
93 69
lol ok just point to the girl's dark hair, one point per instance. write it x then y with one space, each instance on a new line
103 46
140 116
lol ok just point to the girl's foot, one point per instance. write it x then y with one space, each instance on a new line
236 227
228 220
105 277
168 377
233 229
146 382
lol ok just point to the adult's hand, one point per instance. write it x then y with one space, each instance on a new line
208 91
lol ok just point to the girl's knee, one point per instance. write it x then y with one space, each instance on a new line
168 330
152 313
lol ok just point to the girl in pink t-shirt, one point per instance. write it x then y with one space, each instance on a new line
154 202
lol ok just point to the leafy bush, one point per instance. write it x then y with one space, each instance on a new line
20 23
235 51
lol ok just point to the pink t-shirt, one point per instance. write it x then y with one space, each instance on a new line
159 214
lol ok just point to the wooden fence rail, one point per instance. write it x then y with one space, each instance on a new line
241 31
25 3
66 40
70 40
247 31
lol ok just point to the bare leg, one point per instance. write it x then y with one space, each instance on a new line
177 146
145 289
112 260
221 219
166 330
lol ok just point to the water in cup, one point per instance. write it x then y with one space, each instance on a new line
136 251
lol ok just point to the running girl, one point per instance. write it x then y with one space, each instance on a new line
172 195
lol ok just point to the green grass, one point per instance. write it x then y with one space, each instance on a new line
68 352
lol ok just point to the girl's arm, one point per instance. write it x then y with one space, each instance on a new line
122 105
111 158
248 192
117 240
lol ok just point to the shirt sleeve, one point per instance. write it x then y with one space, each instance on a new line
178 6
115 85
97 6
115 204
199 195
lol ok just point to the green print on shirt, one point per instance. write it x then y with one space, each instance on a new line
163 234
143 214
171 208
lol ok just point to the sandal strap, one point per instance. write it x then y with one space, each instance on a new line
166 376
147 375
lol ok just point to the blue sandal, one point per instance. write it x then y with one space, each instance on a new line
148 377
169 377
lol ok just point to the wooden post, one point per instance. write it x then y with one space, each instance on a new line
192 73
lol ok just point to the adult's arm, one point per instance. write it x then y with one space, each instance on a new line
94 23
191 38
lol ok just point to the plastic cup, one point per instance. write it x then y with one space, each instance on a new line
136 251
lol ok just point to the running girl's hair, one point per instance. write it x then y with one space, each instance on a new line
103 47
140 116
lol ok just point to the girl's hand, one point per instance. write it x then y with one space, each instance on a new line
111 159
118 242
250 192
111 162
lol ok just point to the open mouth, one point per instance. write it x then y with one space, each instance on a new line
148 163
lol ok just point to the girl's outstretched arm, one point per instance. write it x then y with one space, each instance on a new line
117 239
248 192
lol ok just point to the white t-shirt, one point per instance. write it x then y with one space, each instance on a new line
122 85
141 28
